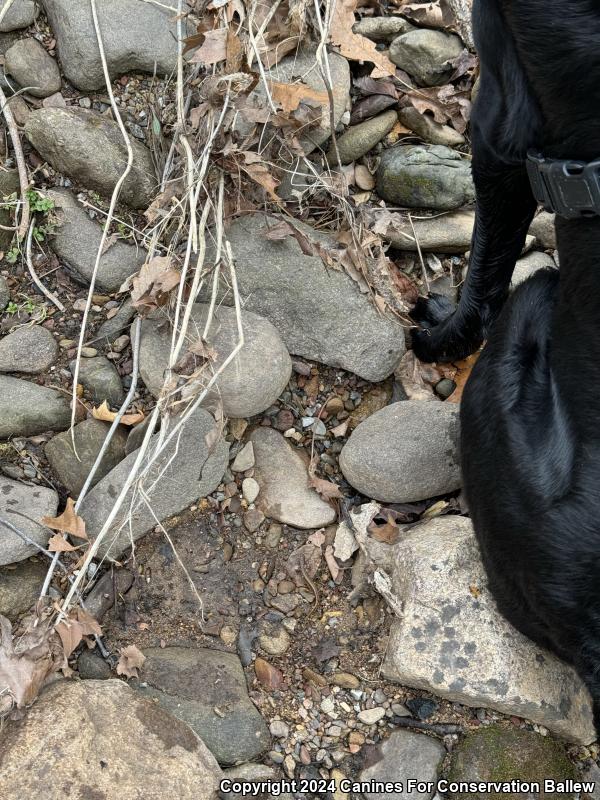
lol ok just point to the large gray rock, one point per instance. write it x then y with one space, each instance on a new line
249 384
100 378
27 409
20 585
529 264
425 176
319 311
188 470
134 748
447 233
452 640
425 54
428 129
207 690
28 350
285 494
20 15
36 502
303 68
402 757
408 451
359 139
89 149
495 753
72 470
137 37
543 229
28 62
382 29
76 240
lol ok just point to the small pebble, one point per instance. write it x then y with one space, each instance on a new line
250 489
279 729
371 716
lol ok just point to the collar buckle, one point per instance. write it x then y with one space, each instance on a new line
570 189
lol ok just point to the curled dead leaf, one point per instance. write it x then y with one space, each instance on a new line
67 522
354 46
58 544
130 660
106 415
151 286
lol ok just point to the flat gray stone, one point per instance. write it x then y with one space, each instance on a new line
91 666
543 229
359 139
425 176
529 264
207 690
4 292
249 384
27 409
452 640
303 68
20 584
20 15
405 452
382 29
28 349
72 470
89 149
28 62
428 129
112 328
404 756
137 37
285 494
76 240
319 312
36 502
100 378
447 233
425 54
193 472
139 748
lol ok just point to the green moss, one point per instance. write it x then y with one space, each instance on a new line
495 753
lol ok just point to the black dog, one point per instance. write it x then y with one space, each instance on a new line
531 411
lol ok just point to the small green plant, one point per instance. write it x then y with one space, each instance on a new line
39 203
11 308
12 255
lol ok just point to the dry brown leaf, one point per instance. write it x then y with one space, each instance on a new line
106 415
327 489
58 544
387 533
268 675
68 521
430 15
130 660
213 48
334 569
71 634
151 286
463 371
256 169
24 668
409 373
234 51
290 95
354 46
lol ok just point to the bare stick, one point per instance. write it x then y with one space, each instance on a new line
19 157
34 276
5 9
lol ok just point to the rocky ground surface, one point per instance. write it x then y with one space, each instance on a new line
345 629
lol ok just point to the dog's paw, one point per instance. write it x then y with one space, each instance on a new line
432 310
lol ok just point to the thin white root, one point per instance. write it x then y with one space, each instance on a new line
34 276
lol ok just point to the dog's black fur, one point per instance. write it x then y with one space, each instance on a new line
530 413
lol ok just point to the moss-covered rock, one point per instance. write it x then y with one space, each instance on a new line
425 176
495 753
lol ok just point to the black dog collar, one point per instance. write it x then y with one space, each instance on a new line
569 188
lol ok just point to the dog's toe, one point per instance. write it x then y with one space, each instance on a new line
432 310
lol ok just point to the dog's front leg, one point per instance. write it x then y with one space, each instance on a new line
504 209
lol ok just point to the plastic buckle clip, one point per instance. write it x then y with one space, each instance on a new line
569 188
